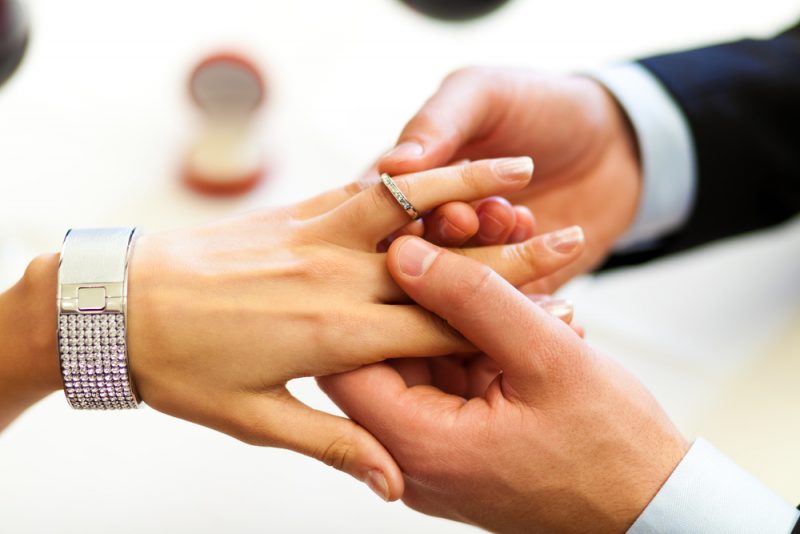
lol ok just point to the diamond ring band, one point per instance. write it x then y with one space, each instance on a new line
400 197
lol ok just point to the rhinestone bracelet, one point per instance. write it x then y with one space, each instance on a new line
92 313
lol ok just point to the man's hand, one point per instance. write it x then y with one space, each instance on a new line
587 168
563 440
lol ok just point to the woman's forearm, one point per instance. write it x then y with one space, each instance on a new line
221 317
29 368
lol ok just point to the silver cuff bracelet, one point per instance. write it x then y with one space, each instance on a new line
92 318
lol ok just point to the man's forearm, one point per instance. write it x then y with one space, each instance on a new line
29 367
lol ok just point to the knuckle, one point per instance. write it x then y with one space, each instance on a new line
470 289
322 328
303 270
353 188
328 268
474 175
338 452
526 254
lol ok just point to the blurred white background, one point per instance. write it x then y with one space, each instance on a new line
92 130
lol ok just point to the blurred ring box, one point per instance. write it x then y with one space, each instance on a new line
225 157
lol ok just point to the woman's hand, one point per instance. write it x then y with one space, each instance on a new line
587 165
221 317
489 221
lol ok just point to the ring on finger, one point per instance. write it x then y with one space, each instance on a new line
400 197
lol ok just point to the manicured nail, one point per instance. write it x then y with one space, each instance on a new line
416 256
565 240
560 308
490 228
407 150
514 169
377 483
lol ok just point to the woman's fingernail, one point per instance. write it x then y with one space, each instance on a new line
560 308
490 228
377 483
565 240
416 256
514 169
406 150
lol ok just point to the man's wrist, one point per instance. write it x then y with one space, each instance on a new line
707 492
666 151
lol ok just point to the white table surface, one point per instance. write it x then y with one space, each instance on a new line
92 130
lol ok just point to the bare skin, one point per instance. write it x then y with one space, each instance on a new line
563 440
222 316
587 165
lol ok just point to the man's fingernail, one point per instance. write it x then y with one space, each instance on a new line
560 308
565 240
490 228
518 235
406 150
449 230
416 256
377 483
514 168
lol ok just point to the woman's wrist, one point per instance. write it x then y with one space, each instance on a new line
145 312
29 367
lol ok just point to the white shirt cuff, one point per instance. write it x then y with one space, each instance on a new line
666 150
709 493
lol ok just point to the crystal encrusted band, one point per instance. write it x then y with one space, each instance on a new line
94 362
400 197
92 307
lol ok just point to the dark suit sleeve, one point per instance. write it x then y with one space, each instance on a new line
742 103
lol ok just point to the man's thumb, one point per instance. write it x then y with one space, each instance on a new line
497 318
